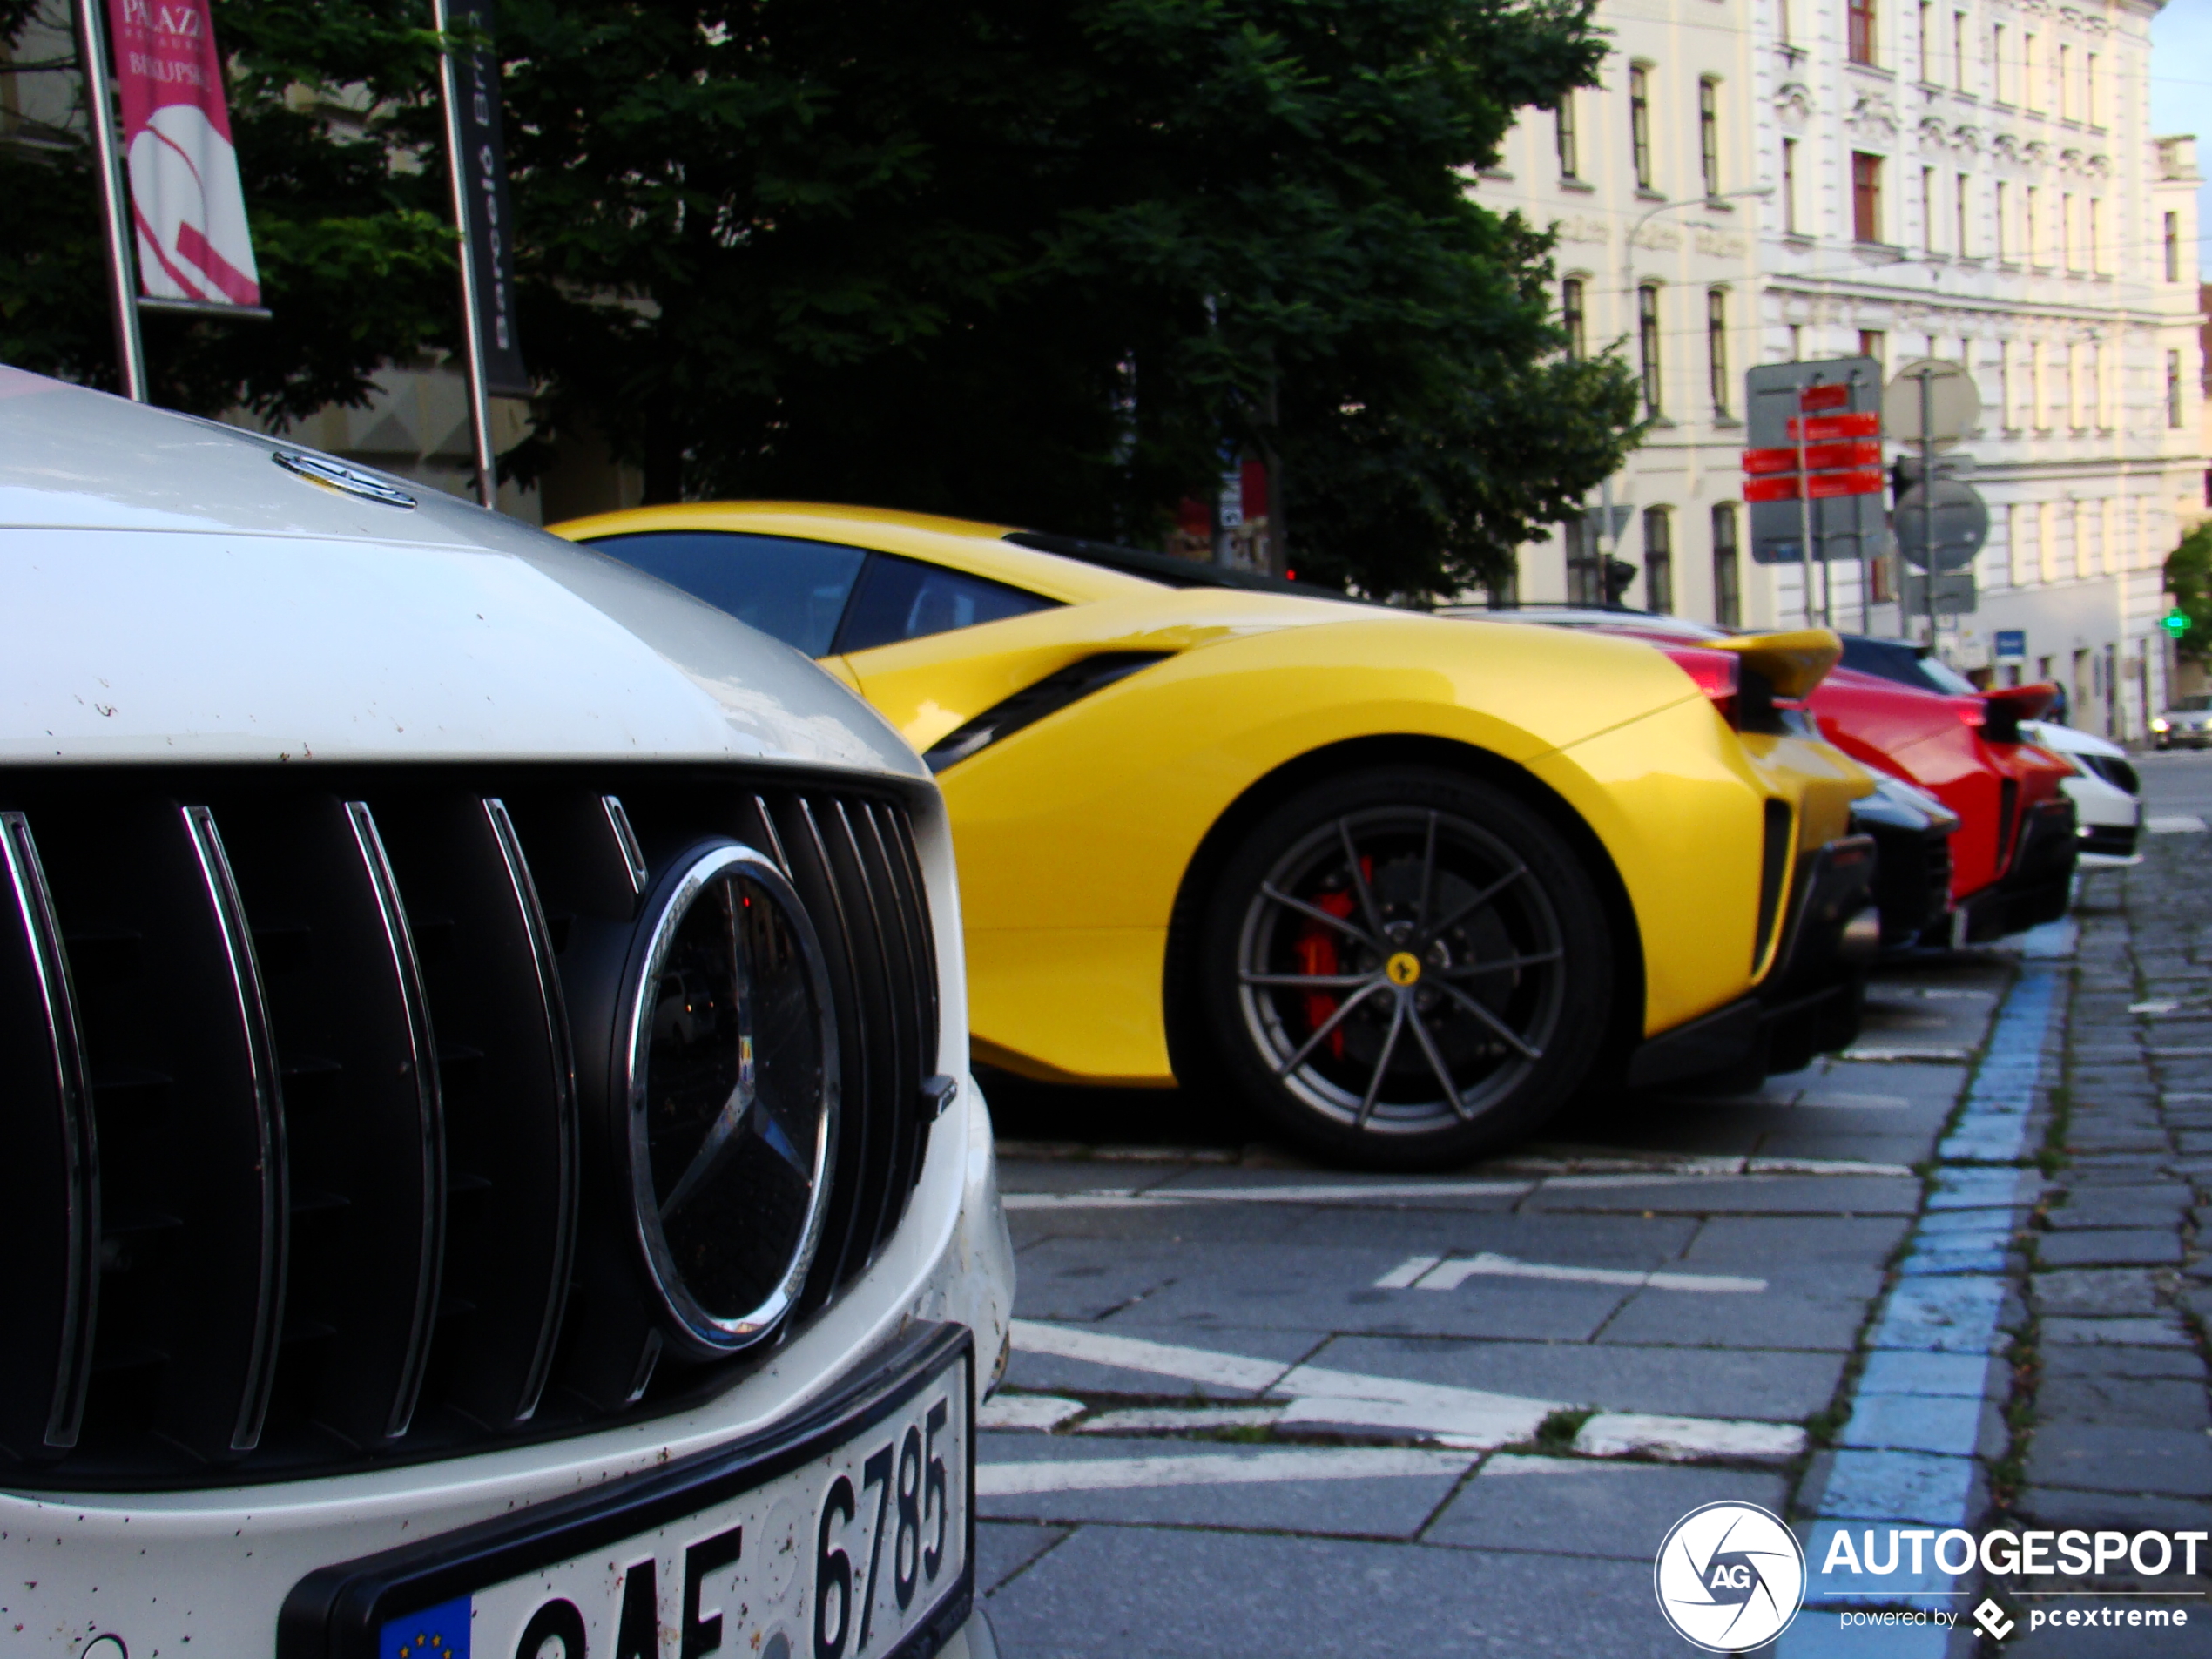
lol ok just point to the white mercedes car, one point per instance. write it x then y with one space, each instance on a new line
2106 794
380 1274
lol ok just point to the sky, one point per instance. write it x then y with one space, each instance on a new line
2180 93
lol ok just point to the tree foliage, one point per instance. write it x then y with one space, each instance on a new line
2188 578
1040 260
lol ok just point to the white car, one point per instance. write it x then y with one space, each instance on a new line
2106 794
2187 720
378 1276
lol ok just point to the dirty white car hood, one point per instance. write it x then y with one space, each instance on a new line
174 594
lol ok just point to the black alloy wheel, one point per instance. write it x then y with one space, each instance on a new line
1402 968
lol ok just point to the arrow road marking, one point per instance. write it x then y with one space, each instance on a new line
1427 1273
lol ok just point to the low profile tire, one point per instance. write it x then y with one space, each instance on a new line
1402 968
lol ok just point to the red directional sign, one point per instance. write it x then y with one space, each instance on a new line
1820 486
1835 395
1818 457
1820 429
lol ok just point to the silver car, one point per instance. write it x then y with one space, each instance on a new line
2186 724
385 1271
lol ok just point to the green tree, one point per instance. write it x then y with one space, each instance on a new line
1042 260
334 121
2188 578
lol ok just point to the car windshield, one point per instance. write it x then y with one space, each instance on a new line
795 590
1892 659
2196 705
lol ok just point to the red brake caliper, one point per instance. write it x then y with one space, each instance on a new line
1316 947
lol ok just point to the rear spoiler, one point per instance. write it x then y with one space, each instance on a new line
2005 707
1791 663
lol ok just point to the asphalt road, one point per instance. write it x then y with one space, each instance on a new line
1260 1408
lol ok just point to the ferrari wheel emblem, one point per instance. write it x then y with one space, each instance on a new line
1403 968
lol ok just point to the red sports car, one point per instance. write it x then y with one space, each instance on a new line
1893 706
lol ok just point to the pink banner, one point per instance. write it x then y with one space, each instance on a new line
185 194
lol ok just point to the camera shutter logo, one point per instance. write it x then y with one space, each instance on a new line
1730 1577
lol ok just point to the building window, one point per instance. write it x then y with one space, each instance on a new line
2096 234
1928 208
1927 41
1866 197
2031 63
1658 561
1958 52
1708 133
1716 346
1790 190
1505 591
1640 124
1998 79
1728 591
1873 343
1585 575
1997 218
1959 205
2090 111
1570 140
2066 82
2031 243
2173 389
1648 345
1863 41
2065 232
1573 317
2173 247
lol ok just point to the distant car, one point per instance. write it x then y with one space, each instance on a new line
2187 723
2106 794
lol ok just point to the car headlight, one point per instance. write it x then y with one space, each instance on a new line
2161 725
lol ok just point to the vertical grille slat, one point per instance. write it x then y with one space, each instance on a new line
510 1115
420 1066
265 1097
300 1163
51 1236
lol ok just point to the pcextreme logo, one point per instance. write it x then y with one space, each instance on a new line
1730 1577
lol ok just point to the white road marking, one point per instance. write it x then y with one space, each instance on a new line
1568 1173
1470 1418
1450 1275
1227 1467
1678 1439
1145 1420
1157 1359
2162 1006
2174 823
1041 1413
1407 1272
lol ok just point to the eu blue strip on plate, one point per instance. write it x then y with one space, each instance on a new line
440 1632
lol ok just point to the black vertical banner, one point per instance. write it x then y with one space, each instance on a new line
490 228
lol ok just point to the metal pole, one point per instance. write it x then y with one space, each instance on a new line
115 212
1805 512
479 402
1927 492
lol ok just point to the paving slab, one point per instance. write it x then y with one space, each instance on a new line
2094 1290
1947 1426
1894 1486
1133 1592
2164 1331
2128 1402
1575 1507
1004 1548
2116 1359
1268 1488
2167 1462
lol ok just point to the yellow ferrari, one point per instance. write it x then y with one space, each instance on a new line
1404 882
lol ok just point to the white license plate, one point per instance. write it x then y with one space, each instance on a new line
842 1542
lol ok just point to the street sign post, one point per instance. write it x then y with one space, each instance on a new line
1813 472
1934 404
1954 595
1941 526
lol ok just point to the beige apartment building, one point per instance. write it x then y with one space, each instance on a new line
1969 180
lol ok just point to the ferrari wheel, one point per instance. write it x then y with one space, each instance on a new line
1402 968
